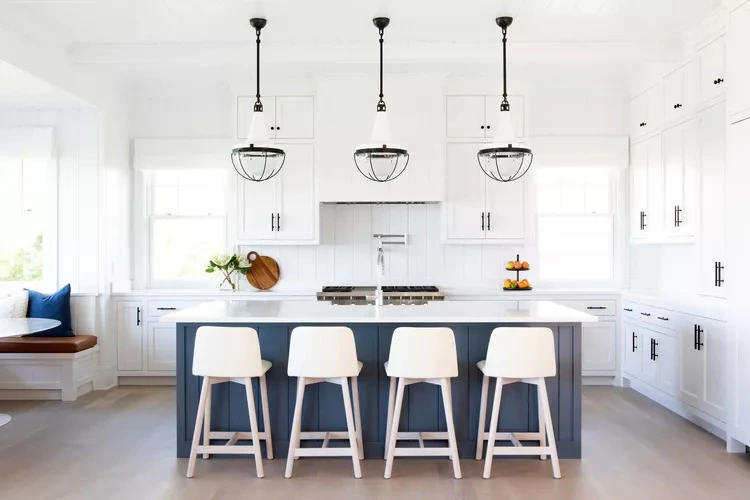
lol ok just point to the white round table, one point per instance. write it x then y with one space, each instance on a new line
15 327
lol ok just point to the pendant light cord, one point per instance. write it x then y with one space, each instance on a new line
505 105
258 108
381 102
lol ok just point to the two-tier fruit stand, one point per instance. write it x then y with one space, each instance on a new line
518 277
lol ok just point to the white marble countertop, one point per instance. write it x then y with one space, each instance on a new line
274 311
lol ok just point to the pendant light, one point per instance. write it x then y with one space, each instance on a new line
257 160
381 161
503 160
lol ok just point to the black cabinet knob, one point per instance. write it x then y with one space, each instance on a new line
278 128
716 82
272 128
482 127
720 80
488 127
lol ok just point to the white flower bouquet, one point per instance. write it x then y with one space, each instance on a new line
227 265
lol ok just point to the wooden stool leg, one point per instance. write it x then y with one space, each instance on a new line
550 429
207 419
296 427
493 428
254 426
266 417
394 428
540 412
198 422
389 417
482 416
350 427
358 417
445 388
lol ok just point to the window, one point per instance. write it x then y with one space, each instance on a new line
23 218
575 225
187 224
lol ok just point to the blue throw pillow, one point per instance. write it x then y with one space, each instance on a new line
54 306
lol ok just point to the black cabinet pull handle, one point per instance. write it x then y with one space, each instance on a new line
678 219
656 350
278 222
166 308
695 337
652 349
700 341
662 318
489 227
596 308
645 314
720 274
272 221
628 310
482 221
137 316
635 346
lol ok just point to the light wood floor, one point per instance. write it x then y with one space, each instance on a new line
120 445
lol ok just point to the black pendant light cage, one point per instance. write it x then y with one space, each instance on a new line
257 163
500 163
381 164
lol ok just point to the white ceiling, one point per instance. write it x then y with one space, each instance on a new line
20 89
349 21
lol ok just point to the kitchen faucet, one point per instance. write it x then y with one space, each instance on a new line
380 261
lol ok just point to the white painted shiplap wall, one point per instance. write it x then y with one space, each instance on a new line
77 143
347 250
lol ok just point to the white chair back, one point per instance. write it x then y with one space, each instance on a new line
423 353
232 352
322 352
522 352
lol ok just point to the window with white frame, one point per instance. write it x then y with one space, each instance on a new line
575 225
187 224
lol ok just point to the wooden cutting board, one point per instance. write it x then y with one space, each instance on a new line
264 272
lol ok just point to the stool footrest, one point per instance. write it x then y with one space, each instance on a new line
515 436
324 452
235 435
221 449
422 452
520 450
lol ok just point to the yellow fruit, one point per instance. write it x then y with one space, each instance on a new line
506 284
510 265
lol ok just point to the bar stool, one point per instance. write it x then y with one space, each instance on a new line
518 355
421 355
224 354
325 354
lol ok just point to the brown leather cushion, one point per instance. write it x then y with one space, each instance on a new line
28 345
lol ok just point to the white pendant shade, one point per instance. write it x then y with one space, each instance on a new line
258 132
504 133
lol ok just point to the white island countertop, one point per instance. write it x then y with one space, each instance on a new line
276 311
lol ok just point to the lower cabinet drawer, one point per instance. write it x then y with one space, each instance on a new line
159 308
593 307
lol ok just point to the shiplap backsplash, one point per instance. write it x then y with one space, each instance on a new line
347 251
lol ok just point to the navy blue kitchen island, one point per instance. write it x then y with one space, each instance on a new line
472 323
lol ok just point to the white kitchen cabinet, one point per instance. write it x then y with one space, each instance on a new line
659 359
647 199
599 349
282 209
712 70
679 93
738 70
475 116
161 347
680 156
633 349
646 112
712 133
703 369
130 335
287 117
478 208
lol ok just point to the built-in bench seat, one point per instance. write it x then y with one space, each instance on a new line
59 368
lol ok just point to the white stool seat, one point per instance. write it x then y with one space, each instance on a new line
325 354
230 354
421 355
518 355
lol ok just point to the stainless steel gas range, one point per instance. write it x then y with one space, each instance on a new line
361 295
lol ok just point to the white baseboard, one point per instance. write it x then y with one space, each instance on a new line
168 381
694 415
609 380
105 378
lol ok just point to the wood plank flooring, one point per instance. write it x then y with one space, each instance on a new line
120 445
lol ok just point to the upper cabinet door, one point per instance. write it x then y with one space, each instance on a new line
679 92
638 189
294 117
738 69
245 106
517 113
681 162
295 207
256 209
711 70
465 116
712 131
654 108
465 193
505 209
638 114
